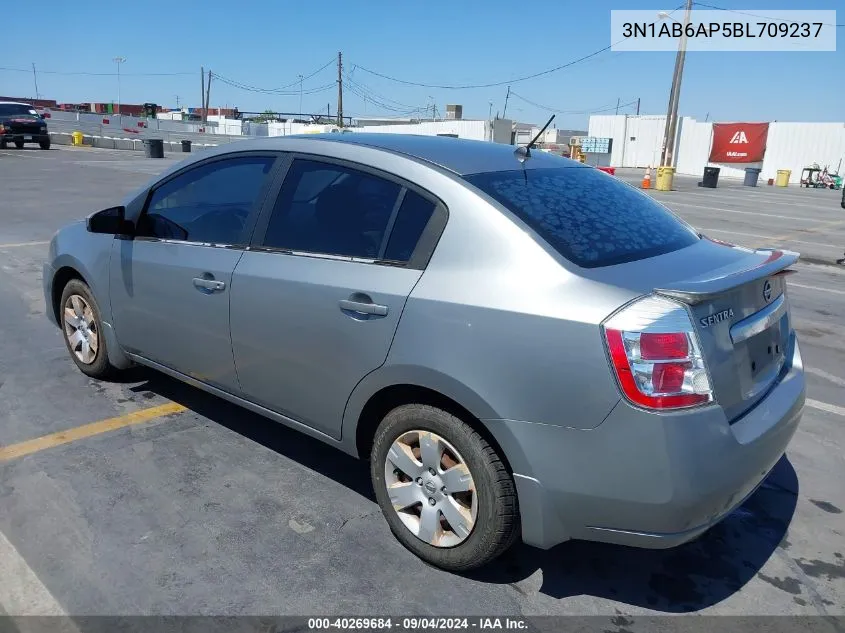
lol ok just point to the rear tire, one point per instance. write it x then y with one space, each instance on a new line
2 144
19 144
44 144
79 318
488 510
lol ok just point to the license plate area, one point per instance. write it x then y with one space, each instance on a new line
765 350
765 354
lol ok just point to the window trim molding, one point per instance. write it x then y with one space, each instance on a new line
417 261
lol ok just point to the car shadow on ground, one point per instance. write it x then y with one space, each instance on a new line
680 580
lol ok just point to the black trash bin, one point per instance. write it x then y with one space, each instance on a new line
186 146
751 176
711 177
154 148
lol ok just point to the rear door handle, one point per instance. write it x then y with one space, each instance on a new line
211 285
361 307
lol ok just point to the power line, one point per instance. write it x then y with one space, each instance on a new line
280 89
285 93
371 95
756 15
90 74
504 82
492 84
407 110
604 108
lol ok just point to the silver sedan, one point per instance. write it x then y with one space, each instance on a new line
521 345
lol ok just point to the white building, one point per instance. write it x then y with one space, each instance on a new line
637 142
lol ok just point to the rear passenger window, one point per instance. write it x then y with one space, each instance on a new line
413 216
331 209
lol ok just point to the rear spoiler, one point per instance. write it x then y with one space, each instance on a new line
698 290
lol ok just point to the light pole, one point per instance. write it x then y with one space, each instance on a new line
300 96
118 61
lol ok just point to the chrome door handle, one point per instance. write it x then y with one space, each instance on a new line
362 307
209 284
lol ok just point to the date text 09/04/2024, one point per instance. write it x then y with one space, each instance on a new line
418 624
724 29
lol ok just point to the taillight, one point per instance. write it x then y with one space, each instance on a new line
2 129
655 354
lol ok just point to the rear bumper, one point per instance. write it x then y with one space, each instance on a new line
644 479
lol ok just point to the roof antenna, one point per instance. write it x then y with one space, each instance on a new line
524 153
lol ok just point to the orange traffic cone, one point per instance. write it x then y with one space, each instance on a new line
647 179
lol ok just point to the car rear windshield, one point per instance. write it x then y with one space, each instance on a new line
589 217
9 109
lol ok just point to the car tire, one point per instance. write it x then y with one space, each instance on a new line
19 144
490 509
2 144
86 344
44 144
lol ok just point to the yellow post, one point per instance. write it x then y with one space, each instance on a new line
77 137
783 177
665 177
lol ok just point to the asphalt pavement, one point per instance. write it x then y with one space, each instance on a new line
209 509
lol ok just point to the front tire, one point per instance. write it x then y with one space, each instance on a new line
19 144
44 143
444 491
81 324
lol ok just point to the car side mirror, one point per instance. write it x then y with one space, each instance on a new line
110 222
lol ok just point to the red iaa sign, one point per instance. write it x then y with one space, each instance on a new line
738 142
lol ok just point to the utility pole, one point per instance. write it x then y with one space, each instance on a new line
638 106
177 102
207 95
300 96
667 155
202 92
505 111
35 78
490 112
118 61
339 89
617 104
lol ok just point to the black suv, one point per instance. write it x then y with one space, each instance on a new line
20 123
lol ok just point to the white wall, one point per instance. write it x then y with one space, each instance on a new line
476 130
789 145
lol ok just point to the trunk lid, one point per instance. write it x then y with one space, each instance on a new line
737 299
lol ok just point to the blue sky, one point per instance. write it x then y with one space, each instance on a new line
269 44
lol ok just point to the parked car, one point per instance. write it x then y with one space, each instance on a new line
521 345
20 123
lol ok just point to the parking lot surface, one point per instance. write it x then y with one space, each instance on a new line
177 502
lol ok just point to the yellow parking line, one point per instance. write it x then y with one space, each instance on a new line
88 430
17 244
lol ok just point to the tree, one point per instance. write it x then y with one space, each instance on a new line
266 117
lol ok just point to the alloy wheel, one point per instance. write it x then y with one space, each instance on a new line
431 488
81 330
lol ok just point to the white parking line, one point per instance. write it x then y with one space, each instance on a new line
824 406
830 290
21 592
766 237
836 380
726 210
24 154
19 244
